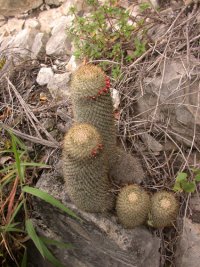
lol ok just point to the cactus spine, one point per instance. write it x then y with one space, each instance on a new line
92 103
164 209
85 170
132 206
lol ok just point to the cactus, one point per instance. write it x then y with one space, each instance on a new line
92 103
164 209
132 206
127 169
85 169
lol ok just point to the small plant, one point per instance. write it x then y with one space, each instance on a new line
16 227
183 184
108 32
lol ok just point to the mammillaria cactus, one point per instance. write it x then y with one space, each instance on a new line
92 103
132 206
164 209
85 169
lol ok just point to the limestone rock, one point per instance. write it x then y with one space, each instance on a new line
59 43
174 94
13 26
44 75
14 7
188 252
38 47
32 23
58 85
47 19
54 2
22 42
99 240
72 64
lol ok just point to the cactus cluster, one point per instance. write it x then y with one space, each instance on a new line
90 156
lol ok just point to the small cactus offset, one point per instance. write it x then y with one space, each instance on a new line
164 209
92 103
132 206
85 169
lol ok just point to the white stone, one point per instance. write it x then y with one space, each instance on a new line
22 42
115 98
73 64
12 26
38 47
44 76
80 5
47 18
58 85
32 23
59 43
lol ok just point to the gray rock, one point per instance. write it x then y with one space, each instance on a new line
58 85
38 47
48 18
172 97
32 23
59 43
188 252
22 42
151 143
44 75
99 240
12 27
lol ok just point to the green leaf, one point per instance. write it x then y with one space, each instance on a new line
188 187
32 234
49 256
197 177
49 199
60 244
181 176
24 259
15 213
177 187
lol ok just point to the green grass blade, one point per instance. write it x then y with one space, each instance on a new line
50 199
32 234
56 243
15 212
49 256
34 164
24 259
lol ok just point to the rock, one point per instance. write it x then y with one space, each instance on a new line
58 85
99 240
72 64
14 7
59 43
39 43
174 99
32 23
188 252
47 19
22 42
54 2
44 75
195 209
13 26
151 142
81 5
115 98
